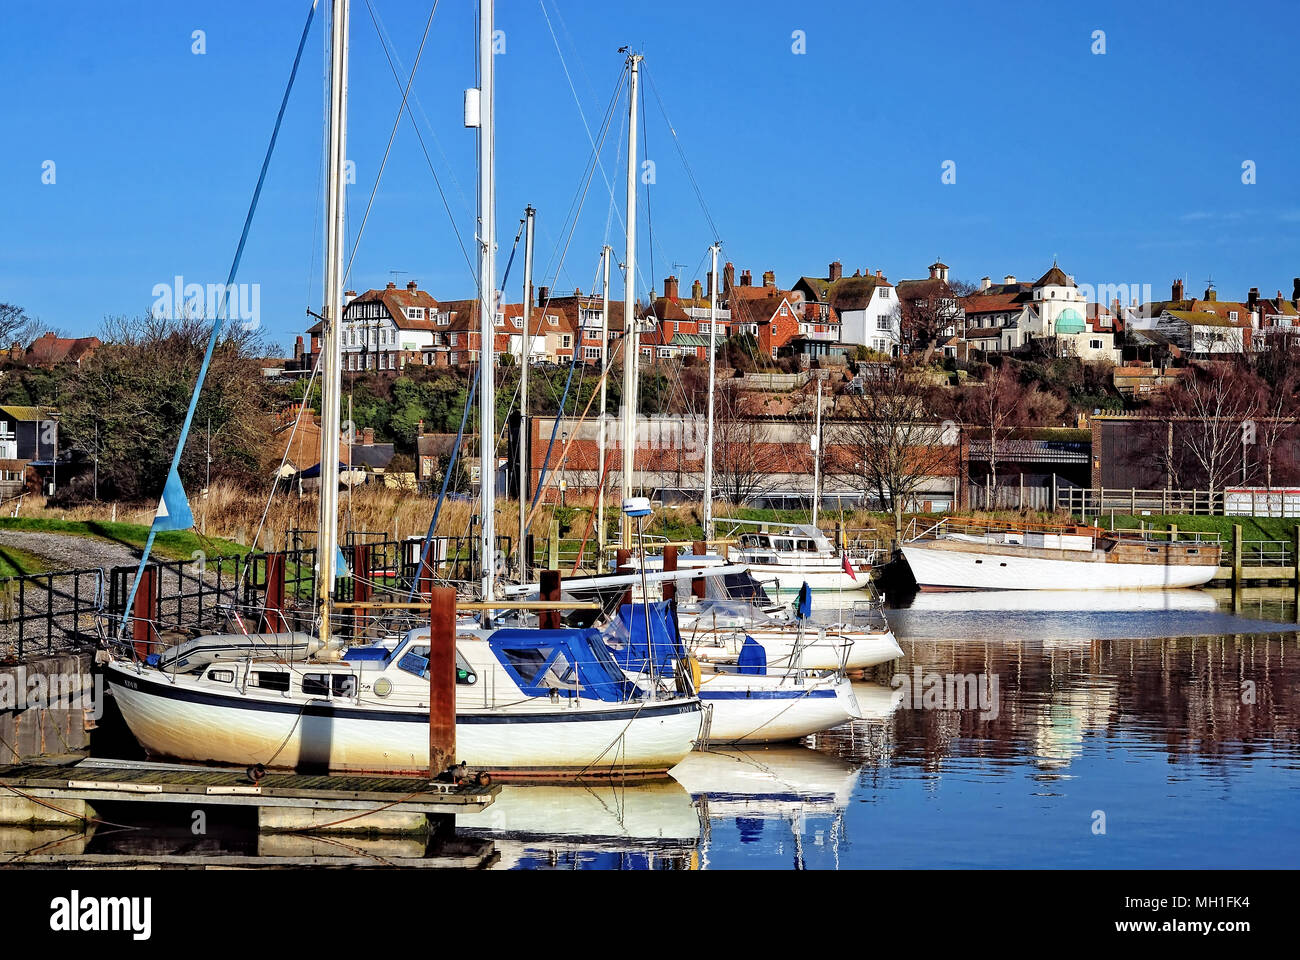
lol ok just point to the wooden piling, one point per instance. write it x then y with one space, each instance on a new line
549 589
442 679
1295 566
144 611
1236 566
1173 533
273 619
699 548
553 546
669 587
622 565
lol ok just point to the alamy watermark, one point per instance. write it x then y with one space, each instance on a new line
949 691
213 301
20 690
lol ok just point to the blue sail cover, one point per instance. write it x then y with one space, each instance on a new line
803 603
570 661
634 653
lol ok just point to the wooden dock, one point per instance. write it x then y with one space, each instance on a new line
60 793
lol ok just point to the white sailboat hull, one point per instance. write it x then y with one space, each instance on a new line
834 652
819 579
172 721
938 569
773 709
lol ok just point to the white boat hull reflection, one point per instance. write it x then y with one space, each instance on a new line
779 782
1064 600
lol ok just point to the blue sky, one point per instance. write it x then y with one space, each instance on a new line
1126 165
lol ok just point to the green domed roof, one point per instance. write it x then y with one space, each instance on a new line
1069 322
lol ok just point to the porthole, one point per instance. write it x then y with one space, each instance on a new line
383 687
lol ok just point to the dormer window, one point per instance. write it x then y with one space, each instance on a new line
444 318
1232 314
552 319
415 313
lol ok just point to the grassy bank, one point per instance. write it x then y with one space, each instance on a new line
174 544
1252 528
14 562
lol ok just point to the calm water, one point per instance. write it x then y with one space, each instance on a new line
1123 707
1170 717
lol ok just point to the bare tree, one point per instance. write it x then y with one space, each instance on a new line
893 441
927 314
1208 411
16 326
998 406
1279 402
747 459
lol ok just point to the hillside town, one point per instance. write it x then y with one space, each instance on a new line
1073 371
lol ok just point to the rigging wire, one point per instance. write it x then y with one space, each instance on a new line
397 122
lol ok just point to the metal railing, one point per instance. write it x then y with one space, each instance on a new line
1262 553
1131 500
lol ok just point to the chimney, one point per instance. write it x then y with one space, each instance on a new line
368 437
543 294
349 296
729 279
1211 294
880 275
837 271
746 279
1295 292
1252 299
934 271
670 288
1008 279
298 349
710 283
1177 291
985 283
697 291
391 286
769 278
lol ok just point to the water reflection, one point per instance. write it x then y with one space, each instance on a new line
1177 720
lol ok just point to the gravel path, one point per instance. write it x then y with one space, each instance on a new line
63 551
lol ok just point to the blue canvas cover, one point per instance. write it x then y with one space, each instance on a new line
633 654
576 662
803 603
752 658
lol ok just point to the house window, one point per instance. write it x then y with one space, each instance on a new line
665 351
884 293
785 310
454 358
553 320
591 353
415 313
565 342
1232 314
882 322
451 338
1094 344
444 318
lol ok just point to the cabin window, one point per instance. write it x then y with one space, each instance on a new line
527 663
222 676
345 684
1153 549
1193 550
316 684
276 680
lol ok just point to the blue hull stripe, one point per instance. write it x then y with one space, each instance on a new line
766 694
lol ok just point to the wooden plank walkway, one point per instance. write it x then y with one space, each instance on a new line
136 781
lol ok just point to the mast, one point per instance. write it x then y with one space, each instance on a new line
486 119
631 336
525 356
817 453
332 308
713 364
605 253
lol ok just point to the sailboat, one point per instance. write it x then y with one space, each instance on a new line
529 703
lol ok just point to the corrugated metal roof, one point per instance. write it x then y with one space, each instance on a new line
26 413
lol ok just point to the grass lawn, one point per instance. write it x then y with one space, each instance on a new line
14 562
